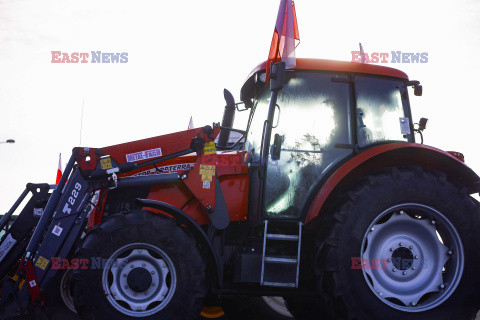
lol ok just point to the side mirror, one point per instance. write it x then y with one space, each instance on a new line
276 147
417 90
417 87
277 76
422 124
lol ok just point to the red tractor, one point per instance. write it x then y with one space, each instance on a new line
325 199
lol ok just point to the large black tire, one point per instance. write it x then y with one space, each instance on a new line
350 295
59 300
254 308
170 247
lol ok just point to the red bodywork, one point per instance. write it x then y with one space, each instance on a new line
189 194
341 66
389 155
232 170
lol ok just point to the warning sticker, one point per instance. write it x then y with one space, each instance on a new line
209 148
57 230
206 184
37 212
207 172
41 263
404 125
106 163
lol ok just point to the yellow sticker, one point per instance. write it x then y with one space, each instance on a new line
41 263
209 148
106 163
207 172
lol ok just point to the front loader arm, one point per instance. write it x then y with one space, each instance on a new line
132 156
66 213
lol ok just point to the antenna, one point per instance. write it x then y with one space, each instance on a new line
362 54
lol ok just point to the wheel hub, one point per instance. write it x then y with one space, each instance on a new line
402 258
139 279
413 272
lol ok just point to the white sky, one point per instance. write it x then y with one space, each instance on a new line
183 53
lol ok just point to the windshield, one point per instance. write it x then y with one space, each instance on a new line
381 111
312 119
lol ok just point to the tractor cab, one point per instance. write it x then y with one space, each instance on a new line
326 112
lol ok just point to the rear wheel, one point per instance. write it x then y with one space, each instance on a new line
141 266
402 246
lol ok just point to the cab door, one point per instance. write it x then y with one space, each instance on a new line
311 133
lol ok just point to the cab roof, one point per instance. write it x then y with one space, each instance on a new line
340 66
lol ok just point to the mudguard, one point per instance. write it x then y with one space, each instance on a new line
184 219
388 155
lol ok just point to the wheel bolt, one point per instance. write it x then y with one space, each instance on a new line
114 294
413 304
402 212
400 244
394 269
411 247
388 260
449 252
124 275
146 293
372 229
416 257
126 287
404 273
391 249
138 308
131 266
143 265
164 265
442 286
381 294
153 284
433 222
139 250
413 268
153 272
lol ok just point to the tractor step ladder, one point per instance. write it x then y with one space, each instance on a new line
280 271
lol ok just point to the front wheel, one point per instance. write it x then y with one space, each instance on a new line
402 245
141 266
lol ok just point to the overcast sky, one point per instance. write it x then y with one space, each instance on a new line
181 54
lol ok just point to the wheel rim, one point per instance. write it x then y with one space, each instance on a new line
420 257
139 279
65 294
277 304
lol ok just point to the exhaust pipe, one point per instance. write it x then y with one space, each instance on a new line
227 121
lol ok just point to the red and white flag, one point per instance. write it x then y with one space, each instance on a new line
190 124
59 170
285 37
